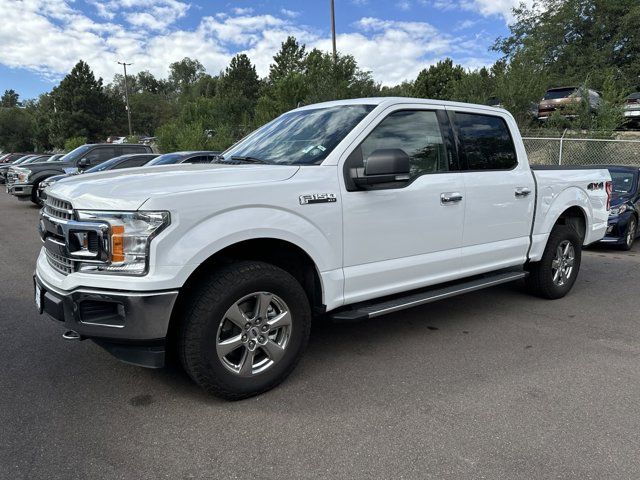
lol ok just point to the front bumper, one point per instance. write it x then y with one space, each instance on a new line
616 230
19 189
130 325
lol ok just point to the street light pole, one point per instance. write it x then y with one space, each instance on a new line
126 95
333 30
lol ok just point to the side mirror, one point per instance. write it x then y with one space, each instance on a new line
83 163
385 165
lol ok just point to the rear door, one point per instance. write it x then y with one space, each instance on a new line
500 192
405 235
101 154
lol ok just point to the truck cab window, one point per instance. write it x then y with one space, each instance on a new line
486 142
417 133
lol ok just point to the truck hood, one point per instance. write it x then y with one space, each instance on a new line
41 166
129 189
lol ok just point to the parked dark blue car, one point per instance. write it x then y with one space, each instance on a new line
625 207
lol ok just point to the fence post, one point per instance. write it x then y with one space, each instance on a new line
561 144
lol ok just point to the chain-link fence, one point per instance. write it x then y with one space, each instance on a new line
582 151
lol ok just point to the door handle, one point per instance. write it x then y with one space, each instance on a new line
522 191
449 198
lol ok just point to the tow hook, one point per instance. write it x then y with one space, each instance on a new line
71 335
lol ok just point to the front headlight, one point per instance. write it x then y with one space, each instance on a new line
130 235
23 175
619 209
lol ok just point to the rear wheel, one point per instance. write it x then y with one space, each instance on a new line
630 234
245 330
556 272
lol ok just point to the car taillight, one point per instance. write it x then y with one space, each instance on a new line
608 187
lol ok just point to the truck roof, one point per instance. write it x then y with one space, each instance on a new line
388 101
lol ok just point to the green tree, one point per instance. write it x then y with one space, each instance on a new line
329 79
16 128
81 107
288 61
286 85
186 72
146 82
238 92
573 40
9 99
438 81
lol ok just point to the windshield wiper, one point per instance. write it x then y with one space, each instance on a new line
250 159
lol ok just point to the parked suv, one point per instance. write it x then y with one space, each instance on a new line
82 158
564 99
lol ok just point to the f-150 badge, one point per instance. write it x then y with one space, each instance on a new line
318 198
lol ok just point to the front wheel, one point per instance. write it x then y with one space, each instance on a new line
35 198
244 330
556 272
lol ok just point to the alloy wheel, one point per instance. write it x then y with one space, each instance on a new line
562 264
254 334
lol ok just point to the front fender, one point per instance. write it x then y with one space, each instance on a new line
39 176
188 244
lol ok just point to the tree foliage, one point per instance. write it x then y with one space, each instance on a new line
585 43
9 99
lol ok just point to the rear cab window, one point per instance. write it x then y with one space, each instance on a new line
485 142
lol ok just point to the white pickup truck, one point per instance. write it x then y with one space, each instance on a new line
348 209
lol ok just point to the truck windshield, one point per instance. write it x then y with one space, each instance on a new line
559 93
75 154
622 182
304 137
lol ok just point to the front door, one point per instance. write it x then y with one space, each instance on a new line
403 236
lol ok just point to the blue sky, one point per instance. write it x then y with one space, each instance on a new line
41 40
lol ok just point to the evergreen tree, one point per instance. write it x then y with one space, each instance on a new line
9 99
81 106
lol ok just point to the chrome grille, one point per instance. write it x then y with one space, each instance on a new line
59 263
58 208
11 177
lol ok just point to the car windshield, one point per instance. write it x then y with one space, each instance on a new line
623 182
104 165
304 137
166 159
559 93
55 158
75 154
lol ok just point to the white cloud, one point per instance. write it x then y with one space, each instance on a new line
144 32
243 11
289 13
404 5
503 8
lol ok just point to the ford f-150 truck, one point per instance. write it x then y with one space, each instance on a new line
23 180
349 209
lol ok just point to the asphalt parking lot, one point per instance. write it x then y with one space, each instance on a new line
495 384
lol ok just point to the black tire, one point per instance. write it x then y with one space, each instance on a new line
34 195
540 281
205 312
630 234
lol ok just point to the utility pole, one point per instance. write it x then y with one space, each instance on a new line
333 30
126 95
